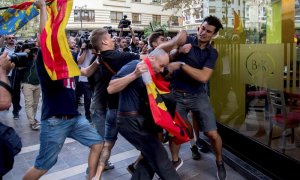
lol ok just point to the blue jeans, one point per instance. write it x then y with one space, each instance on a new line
85 89
98 118
111 130
200 106
135 130
53 134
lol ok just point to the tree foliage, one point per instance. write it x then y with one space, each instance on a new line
148 29
178 4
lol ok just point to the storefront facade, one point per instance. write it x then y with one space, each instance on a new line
255 90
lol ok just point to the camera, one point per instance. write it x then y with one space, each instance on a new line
21 58
124 23
21 46
84 38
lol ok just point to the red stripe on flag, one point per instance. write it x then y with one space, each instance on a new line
25 5
22 6
48 61
60 63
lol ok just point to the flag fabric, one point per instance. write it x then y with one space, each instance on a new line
56 52
238 25
16 16
176 127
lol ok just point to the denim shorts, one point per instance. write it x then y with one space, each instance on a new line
53 134
98 118
111 129
200 106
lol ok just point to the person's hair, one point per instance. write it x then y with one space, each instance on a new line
96 37
157 52
145 42
153 37
213 21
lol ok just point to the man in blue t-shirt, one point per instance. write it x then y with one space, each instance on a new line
136 127
188 83
60 119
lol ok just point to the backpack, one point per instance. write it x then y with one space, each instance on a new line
10 146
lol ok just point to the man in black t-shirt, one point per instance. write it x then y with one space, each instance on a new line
104 106
60 118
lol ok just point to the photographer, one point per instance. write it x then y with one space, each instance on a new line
133 42
30 85
14 76
5 89
83 87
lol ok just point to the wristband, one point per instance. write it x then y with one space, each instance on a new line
7 87
181 64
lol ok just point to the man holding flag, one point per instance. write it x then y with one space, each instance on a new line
133 125
60 118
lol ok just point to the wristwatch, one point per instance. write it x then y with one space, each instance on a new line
181 64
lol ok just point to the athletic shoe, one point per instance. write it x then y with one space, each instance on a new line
109 165
35 126
177 164
221 173
16 116
130 168
195 153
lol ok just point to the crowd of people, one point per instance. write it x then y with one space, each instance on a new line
115 95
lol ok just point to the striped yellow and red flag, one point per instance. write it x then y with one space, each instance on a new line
57 56
238 25
176 127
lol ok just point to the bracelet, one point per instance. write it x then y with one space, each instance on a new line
7 87
181 64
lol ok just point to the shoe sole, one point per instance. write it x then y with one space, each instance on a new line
109 168
179 166
218 176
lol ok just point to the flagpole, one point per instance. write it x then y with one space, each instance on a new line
3 8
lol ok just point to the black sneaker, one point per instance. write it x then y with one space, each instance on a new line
16 116
131 168
109 165
177 164
202 146
195 153
221 173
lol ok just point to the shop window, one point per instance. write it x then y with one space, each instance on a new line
84 15
115 17
212 9
156 18
136 18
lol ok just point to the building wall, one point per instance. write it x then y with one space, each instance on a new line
103 8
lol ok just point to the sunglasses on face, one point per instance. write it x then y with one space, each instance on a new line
9 38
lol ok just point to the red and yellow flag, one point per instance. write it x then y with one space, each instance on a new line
238 25
57 56
176 127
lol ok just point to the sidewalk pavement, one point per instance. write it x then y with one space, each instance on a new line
72 160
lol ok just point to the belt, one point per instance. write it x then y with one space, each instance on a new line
128 113
64 117
181 92
184 93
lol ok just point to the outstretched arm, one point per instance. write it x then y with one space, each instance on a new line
88 71
41 4
177 41
117 85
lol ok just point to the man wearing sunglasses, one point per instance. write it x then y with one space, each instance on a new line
14 76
